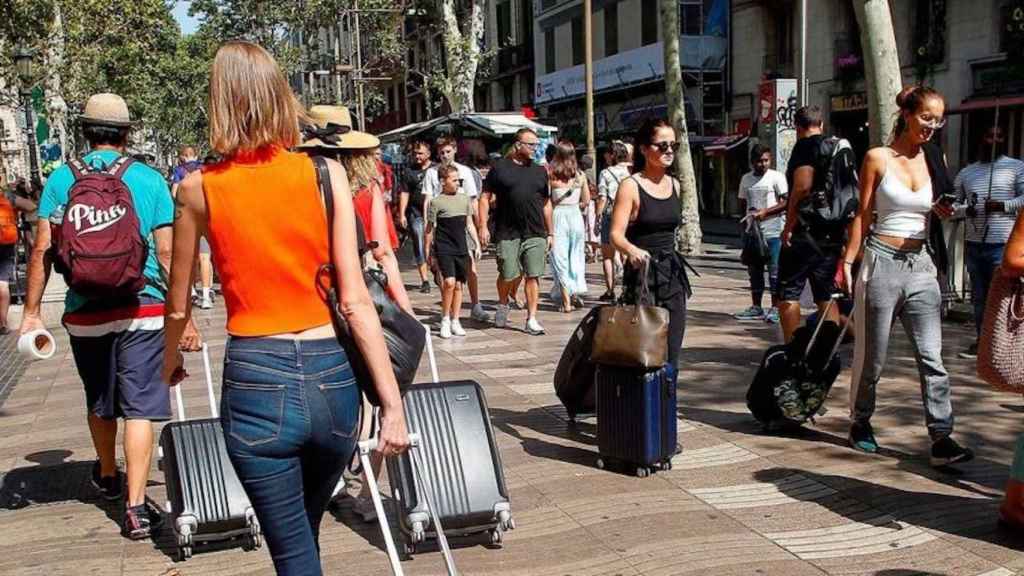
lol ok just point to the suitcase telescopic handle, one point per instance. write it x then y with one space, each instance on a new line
832 301
431 357
209 388
367 446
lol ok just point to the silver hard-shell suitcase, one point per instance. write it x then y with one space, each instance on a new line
206 500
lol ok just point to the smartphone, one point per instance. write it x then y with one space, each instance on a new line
947 200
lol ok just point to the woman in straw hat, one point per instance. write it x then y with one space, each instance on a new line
290 404
329 133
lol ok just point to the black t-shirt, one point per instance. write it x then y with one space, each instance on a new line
520 192
412 182
805 153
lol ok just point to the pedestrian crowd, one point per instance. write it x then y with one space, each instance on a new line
292 408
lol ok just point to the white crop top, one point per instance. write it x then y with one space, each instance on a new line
900 211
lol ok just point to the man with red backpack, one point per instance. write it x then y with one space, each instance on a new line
110 237
10 205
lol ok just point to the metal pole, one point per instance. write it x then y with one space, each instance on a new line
803 53
588 73
359 72
30 134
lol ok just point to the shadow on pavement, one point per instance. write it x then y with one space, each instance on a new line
966 517
545 423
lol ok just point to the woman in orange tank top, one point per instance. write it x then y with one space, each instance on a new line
289 403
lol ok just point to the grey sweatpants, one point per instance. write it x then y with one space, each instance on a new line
899 284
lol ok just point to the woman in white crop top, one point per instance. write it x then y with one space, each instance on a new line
897 277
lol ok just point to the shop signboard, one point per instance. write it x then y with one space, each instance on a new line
777 105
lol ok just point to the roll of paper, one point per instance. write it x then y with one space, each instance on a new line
37 344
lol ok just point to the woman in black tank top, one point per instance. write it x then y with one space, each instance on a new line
643 227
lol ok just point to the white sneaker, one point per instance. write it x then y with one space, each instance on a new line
479 314
446 328
457 328
501 316
206 304
533 327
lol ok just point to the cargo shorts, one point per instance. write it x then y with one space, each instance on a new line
517 256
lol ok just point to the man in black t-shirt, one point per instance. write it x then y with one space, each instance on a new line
410 206
805 258
522 224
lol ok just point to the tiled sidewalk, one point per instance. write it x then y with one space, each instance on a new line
735 502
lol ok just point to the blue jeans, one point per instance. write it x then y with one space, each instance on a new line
982 261
417 231
290 410
757 272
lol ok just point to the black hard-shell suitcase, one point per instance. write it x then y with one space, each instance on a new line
636 418
461 462
206 500
794 380
574 375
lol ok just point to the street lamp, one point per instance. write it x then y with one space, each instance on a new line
24 59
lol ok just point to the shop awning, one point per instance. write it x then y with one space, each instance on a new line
725 143
491 123
985 103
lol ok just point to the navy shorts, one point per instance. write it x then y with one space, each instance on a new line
121 372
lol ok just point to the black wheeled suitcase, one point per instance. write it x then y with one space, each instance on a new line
461 463
636 418
206 501
794 380
574 375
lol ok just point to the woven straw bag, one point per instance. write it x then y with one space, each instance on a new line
1001 347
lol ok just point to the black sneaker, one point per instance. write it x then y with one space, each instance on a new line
109 487
608 296
971 353
140 522
425 287
862 438
947 451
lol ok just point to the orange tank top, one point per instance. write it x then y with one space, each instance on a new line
268 234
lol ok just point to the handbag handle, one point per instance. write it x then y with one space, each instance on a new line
644 298
1018 293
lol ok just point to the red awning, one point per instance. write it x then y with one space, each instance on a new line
725 143
986 103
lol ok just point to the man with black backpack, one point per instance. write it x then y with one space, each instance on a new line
110 237
823 200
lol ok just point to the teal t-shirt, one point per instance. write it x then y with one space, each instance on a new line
153 205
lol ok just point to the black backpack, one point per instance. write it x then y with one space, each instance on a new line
835 199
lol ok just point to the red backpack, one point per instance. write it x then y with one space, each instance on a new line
99 247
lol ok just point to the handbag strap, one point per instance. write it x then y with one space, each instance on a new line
323 181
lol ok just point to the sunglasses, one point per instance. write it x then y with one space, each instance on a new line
932 123
666 147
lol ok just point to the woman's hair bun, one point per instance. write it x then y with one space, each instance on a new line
903 98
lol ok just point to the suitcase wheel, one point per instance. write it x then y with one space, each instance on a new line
410 548
505 520
418 533
496 536
642 471
600 464
184 553
255 538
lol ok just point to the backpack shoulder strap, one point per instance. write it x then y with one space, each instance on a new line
78 168
119 166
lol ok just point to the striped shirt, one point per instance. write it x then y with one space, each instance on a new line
972 189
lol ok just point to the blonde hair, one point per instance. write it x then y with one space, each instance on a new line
361 166
251 103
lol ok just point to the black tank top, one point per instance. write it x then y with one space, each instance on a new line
656 221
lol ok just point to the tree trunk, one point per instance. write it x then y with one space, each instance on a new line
462 53
689 236
881 64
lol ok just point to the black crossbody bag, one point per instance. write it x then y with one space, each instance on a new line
404 335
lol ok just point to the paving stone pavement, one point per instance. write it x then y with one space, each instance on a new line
736 501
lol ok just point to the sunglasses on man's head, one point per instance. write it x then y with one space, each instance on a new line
666 147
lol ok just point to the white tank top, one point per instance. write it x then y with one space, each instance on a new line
900 211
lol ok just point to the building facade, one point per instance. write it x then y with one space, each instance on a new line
629 65
957 47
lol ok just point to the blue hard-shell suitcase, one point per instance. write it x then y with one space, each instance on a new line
636 419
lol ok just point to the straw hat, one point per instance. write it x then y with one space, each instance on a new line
106 110
332 128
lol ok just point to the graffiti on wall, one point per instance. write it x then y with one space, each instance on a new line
777 108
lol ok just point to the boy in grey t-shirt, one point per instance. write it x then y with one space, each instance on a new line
447 227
